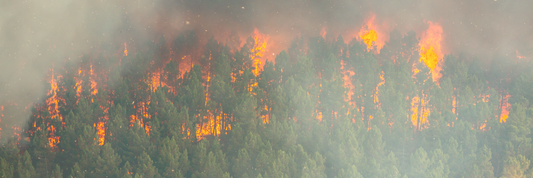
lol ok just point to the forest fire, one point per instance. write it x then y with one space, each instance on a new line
258 51
16 132
78 83
420 112
376 95
52 104
505 107
319 115
346 76
100 131
430 49
519 56
213 126
125 49
53 101
213 121
323 32
372 35
139 121
369 37
94 89
483 126
266 117
53 140
156 82
266 89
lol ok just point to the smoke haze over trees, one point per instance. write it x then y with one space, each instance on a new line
265 88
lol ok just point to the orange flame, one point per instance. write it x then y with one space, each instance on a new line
372 35
415 70
100 130
78 84
93 83
185 129
430 48
53 101
483 127
258 49
132 120
155 81
16 131
369 37
147 128
323 32
454 103
519 56
506 107
53 140
376 96
346 75
415 104
125 49
319 116
266 117
485 98
213 126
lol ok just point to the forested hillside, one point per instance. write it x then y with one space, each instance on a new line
324 107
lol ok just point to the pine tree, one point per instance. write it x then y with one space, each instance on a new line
192 96
145 167
242 164
77 172
70 153
456 159
42 151
419 163
245 112
517 129
25 168
214 165
314 167
107 163
89 150
57 173
169 159
438 166
125 171
515 166
350 173
137 142
6 169
390 169
482 167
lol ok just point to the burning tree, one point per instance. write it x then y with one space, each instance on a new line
378 105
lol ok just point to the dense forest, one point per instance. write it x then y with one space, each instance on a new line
324 107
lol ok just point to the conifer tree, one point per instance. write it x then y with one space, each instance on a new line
77 172
25 167
145 167
107 163
6 169
169 159
57 173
